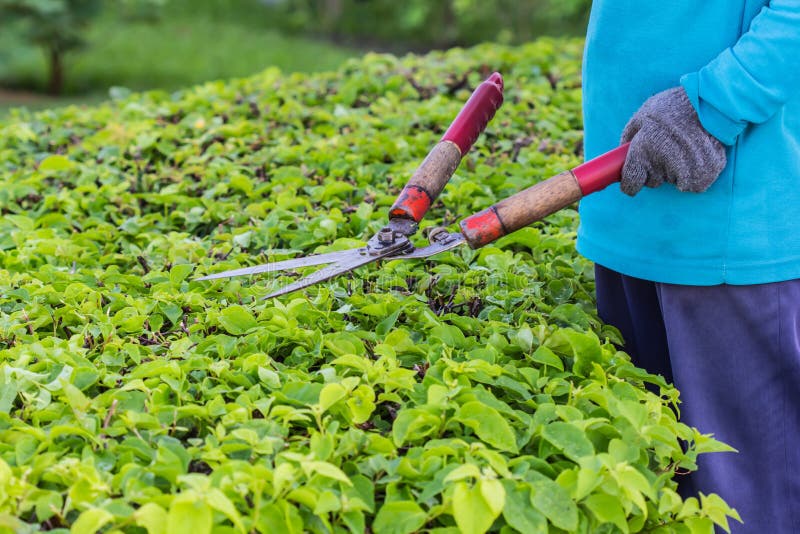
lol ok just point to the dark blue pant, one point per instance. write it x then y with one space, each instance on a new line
734 354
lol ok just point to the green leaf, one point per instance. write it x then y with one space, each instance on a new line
586 480
691 507
546 356
237 320
321 445
269 377
669 502
56 162
354 520
413 424
704 443
364 490
525 338
718 510
47 505
489 425
90 521
572 315
179 272
555 503
361 404
634 481
330 395
152 517
700 525
399 517
518 511
327 502
8 392
387 324
280 517
569 439
463 471
189 514
474 514
327 470
220 502
607 509
494 494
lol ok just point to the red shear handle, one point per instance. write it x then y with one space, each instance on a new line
602 171
543 199
441 162
476 113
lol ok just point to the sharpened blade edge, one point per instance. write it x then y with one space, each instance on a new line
326 273
295 263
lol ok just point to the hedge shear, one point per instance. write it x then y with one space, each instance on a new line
507 216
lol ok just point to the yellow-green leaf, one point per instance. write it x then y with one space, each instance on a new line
555 503
152 517
90 521
568 438
399 517
237 320
472 512
189 514
489 425
56 162
607 509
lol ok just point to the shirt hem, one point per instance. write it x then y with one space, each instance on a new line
710 273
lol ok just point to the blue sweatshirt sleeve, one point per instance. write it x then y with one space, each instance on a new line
752 80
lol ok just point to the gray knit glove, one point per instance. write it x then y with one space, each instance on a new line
668 144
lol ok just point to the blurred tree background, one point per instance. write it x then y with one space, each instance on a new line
419 25
63 51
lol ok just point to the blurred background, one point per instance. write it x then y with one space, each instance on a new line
58 52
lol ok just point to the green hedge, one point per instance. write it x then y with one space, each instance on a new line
476 391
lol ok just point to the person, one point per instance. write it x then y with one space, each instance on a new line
697 250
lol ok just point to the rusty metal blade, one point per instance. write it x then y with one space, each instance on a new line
295 263
331 271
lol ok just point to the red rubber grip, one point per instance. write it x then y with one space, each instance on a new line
543 198
483 227
476 113
602 171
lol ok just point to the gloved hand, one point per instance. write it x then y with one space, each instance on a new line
668 144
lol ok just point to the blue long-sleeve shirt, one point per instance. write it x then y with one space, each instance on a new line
739 61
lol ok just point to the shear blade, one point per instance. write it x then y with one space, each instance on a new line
296 263
341 262
450 242
331 271
326 273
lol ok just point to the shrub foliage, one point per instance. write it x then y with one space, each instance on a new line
476 391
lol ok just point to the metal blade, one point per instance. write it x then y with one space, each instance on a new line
295 263
450 242
326 273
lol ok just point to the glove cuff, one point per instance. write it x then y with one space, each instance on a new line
713 121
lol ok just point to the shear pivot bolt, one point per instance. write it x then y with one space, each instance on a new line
438 234
386 236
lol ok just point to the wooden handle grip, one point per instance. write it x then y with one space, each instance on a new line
521 209
427 182
438 167
544 198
